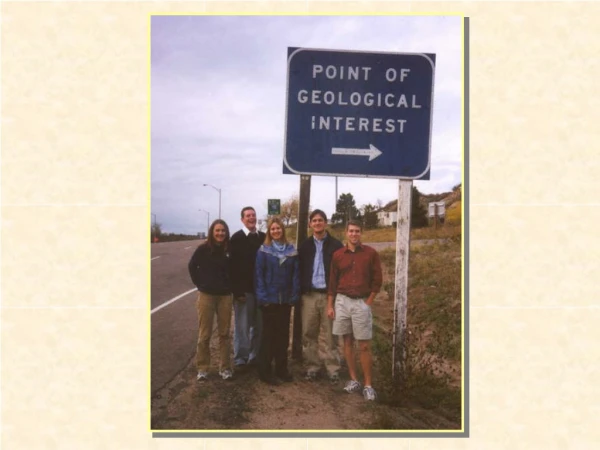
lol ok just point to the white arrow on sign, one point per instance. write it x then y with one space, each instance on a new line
372 152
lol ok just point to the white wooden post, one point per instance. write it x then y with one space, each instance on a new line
400 299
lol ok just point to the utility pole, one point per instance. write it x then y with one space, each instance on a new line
336 194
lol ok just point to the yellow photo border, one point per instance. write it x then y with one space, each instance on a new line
311 433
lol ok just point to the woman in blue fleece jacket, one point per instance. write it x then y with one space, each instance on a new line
277 285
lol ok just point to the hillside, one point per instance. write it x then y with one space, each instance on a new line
448 197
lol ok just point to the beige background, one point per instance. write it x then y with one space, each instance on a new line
75 213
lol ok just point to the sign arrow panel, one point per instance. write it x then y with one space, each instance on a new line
372 152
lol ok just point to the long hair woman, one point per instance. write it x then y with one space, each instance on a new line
209 270
277 284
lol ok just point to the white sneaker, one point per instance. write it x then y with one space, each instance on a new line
369 393
352 386
201 376
226 374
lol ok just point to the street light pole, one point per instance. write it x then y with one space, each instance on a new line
219 191
207 221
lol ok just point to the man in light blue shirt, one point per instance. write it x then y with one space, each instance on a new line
315 259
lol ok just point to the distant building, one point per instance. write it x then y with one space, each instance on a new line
388 215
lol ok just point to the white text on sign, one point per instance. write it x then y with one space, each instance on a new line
353 99
355 72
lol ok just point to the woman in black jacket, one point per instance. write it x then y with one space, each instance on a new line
209 269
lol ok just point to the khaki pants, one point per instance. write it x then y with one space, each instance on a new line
315 320
207 305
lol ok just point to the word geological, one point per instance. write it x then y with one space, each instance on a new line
356 98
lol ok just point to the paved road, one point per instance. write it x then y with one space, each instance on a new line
174 327
381 245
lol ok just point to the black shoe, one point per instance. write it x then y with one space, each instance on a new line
311 375
270 381
287 377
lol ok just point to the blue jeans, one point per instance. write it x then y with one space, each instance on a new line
247 330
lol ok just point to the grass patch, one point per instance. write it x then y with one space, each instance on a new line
453 214
433 343
445 231
388 234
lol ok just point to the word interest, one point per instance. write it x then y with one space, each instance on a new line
358 124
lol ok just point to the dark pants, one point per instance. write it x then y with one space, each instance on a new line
274 340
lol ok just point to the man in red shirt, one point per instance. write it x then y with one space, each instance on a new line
355 279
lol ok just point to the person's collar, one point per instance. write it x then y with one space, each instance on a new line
247 231
322 239
357 247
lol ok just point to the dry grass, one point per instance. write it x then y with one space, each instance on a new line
388 234
444 231
433 370
453 214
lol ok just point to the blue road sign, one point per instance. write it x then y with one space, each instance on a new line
362 114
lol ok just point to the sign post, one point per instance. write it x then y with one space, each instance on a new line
301 234
401 273
364 114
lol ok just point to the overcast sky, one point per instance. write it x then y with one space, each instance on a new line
218 110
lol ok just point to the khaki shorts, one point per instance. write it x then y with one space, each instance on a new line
353 316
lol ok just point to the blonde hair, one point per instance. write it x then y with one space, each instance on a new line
278 221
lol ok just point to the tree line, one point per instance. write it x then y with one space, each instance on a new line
346 209
157 235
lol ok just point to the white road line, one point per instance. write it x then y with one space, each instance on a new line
154 258
158 308
188 247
